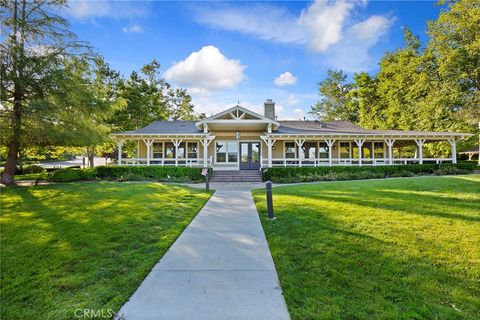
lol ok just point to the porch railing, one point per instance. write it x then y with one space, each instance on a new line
295 162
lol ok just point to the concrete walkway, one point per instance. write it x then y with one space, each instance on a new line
219 268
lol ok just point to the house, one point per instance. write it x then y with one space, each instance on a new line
239 139
472 153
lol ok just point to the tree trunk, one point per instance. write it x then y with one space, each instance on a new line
8 174
91 156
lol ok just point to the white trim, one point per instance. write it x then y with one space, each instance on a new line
262 119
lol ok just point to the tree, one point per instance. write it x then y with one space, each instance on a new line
365 99
35 43
455 43
148 97
334 103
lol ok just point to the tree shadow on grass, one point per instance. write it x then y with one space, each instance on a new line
330 272
329 269
71 252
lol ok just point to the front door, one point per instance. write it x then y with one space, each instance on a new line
249 155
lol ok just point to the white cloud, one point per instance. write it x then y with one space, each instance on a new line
298 113
264 21
361 37
323 27
133 28
206 70
324 22
88 9
285 79
371 29
292 99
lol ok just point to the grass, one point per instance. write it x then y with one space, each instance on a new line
85 245
391 249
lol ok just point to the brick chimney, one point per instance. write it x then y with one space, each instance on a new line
269 109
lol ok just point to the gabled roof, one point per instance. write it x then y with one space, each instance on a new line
237 115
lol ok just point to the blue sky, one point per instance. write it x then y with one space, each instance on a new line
246 51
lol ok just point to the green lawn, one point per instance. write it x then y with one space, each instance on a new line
386 249
85 245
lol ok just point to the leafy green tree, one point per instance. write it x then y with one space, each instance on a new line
145 95
334 98
148 97
35 41
455 44
365 99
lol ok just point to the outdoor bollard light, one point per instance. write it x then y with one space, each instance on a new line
205 174
268 187
207 184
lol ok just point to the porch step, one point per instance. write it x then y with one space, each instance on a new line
237 176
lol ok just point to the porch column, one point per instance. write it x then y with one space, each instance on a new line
269 151
330 143
148 143
420 143
390 143
359 143
453 143
299 144
205 152
120 145
176 143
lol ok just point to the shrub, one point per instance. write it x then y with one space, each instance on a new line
33 168
305 174
176 174
71 174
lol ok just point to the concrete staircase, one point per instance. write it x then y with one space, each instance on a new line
237 176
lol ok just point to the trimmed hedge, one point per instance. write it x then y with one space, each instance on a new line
128 173
33 168
310 174
176 174
71 174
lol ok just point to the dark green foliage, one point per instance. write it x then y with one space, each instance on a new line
71 174
178 174
33 169
305 174
128 173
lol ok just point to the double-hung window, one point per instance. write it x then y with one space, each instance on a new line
157 150
226 152
169 150
378 150
322 150
192 150
290 150
310 150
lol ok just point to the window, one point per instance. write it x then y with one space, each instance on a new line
290 150
157 150
181 151
322 150
232 151
378 150
192 150
227 152
169 150
345 150
310 150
